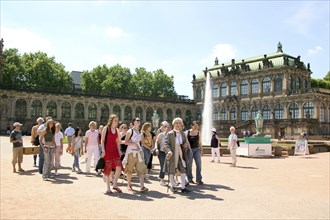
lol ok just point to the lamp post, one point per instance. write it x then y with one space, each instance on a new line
259 122
155 121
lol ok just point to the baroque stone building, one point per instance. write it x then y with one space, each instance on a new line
26 106
277 84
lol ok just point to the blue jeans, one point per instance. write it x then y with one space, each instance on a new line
195 155
49 157
75 161
147 155
161 157
41 159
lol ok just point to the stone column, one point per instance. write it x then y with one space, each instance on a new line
28 106
86 111
59 110
144 113
73 105
300 110
272 84
44 108
228 88
133 111
122 112
98 111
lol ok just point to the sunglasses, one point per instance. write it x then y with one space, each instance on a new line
124 128
137 120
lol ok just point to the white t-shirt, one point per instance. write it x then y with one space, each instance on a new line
92 138
58 137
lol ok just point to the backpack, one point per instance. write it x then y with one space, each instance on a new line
36 141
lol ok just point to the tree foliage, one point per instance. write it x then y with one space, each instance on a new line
327 77
34 71
319 83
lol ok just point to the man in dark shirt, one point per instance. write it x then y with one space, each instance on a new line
17 140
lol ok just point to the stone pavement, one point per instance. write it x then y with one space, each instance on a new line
272 188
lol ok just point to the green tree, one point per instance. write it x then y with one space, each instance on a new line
14 71
42 71
142 82
118 81
327 77
163 85
92 81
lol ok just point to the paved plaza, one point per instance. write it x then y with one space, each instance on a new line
272 188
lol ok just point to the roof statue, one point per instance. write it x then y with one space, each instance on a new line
1 45
216 61
279 47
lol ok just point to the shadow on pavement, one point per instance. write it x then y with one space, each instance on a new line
29 172
63 179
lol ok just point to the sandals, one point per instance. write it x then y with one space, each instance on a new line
108 192
129 188
144 189
117 189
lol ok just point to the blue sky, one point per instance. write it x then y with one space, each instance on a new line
181 37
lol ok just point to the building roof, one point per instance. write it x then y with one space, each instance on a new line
76 77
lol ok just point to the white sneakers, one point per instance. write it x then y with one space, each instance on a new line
163 182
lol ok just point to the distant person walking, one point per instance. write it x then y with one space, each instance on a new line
164 128
77 149
41 149
17 141
69 132
215 145
58 147
35 138
232 145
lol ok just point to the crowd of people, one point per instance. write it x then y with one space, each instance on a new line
124 149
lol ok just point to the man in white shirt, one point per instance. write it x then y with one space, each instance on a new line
232 145
69 132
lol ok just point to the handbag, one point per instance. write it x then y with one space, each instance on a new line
100 164
237 143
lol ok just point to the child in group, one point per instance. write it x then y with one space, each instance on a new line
77 145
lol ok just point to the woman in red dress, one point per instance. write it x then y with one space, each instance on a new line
110 142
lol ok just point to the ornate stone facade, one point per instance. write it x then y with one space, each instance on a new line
27 106
277 84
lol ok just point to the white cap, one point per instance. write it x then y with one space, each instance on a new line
214 130
17 124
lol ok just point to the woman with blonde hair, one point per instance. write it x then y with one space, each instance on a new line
58 146
91 145
110 143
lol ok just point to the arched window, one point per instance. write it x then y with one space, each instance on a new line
21 108
128 113
254 86
223 114
266 112
266 85
79 111
105 113
223 89
149 112
278 86
160 114
233 113
188 117
294 110
308 109
244 87
36 108
233 89
244 114
66 110
297 83
278 111
169 115
199 93
215 115
254 112
215 91
139 112
305 84
52 109
92 112
116 110
322 113
178 113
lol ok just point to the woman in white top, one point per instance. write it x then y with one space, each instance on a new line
58 146
134 156
92 145
77 141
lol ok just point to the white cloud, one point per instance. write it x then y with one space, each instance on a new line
314 50
26 41
224 52
115 32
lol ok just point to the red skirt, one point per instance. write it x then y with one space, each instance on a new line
110 165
